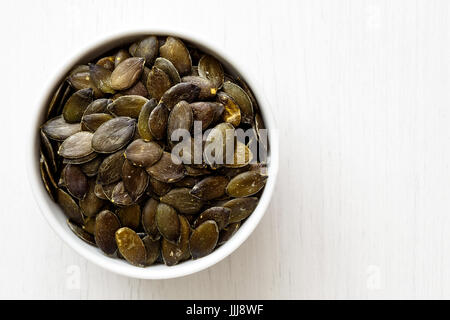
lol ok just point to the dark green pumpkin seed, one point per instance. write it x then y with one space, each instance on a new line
101 77
75 181
142 153
204 239
228 232
129 216
168 67
90 205
210 188
174 253
95 120
157 83
241 98
135 180
158 187
58 129
220 215
149 218
167 222
157 122
143 119
121 56
204 112
127 106
80 233
77 146
127 73
120 196
152 248
211 69
76 105
146 48
246 184
182 200
113 134
241 208
69 206
182 91
176 52
110 170
180 118
165 170
131 246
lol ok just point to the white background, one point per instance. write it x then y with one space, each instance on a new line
360 92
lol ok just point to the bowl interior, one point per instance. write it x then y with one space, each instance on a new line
56 217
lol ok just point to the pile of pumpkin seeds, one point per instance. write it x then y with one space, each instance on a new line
106 152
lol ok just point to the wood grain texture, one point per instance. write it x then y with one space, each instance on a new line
360 91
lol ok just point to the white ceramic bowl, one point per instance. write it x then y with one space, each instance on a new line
56 218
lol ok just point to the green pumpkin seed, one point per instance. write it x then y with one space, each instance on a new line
157 122
56 99
138 89
75 181
241 208
89 226
187 182
106 225
101 77
146 48
241 98
211 69
210 188
143 120
182 91
232 112
180 118
220 215
46 179
120 195
196 172
167 222
246 184
107 63
110 170
215 151
176 52
95 120
80 233
97 106
204 239
142 153
174 253
157 83
165 170
69 206
228 232
242 156
121 56
99 193
158 187
182 201
127 106
81 79
168 67
90 205
149 218
204 112
76 105
81 160
77 146
58 129
48 150
152 249
207 89
90 168
129 216
135 180
113 134
127 73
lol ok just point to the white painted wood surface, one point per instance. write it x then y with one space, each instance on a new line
360 90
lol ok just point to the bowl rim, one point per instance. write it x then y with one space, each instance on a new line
48 207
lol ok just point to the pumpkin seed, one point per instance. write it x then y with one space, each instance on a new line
142 153
45 178
157 83
167 222
182 200
113 134
69 206
58 129
76 105
207 89
204 112
241 98
174 253
81 160
165 170
75 181
211 69
220 215
210 188
157 122
146 48
106 225
92 121
215 151
232 113
204 239
138 89
241 208
89 226
143 119
90 168
149 218
129 216
135 180
158 187
80 233
127 73
228 232
180 118
77 146
97 106
182 91
81 79
121 56
246 184
110 170
168 67
152 249
176 52
196 172
90 205
131 246
127 106
107 63
242 156
48 150
120 195
101 77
